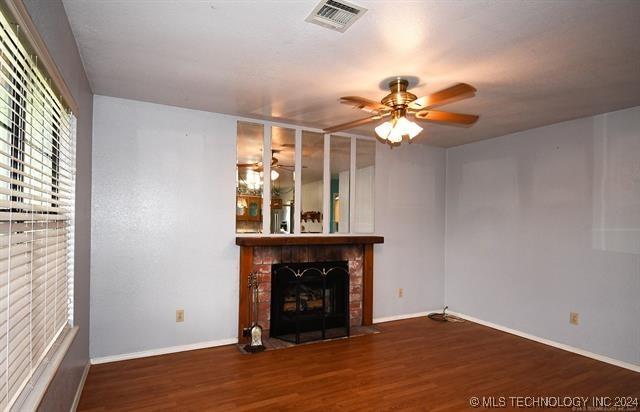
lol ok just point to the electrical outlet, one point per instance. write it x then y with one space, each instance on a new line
574 318
400 292
180 315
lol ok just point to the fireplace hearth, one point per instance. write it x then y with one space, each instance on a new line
310 301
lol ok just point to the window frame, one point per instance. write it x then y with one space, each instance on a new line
36 82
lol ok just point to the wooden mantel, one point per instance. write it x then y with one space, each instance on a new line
307 240
248 243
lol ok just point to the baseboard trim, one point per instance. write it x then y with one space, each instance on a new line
83 379
163 351
400 317
568 348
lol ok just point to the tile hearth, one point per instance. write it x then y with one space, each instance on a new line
275 343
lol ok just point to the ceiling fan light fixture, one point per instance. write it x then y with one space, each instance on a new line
396 130
395 136
383 130
413 129
274 175
253 179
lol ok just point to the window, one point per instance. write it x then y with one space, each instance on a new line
37 181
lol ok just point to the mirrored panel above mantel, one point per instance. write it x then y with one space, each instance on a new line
340 159
311 218
283 151
249 180
363 221
316 183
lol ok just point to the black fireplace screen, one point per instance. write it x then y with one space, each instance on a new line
309 301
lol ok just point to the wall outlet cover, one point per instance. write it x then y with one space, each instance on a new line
574 318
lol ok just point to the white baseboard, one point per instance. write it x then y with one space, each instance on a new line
602 358
406 316
83 379
163 351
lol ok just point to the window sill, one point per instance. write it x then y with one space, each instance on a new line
35 389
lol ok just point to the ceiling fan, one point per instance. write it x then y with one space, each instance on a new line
275 164
399 104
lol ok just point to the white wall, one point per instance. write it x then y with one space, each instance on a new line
409 212
312 196
547 221
163 227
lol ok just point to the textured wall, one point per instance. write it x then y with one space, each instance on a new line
51 21
547 221
409 213
163 227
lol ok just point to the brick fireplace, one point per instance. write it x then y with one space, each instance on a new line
259 253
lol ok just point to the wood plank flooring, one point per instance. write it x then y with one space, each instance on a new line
414 364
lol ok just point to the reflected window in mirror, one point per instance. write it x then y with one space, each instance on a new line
364 186
312 185
340 161
283 155
249 180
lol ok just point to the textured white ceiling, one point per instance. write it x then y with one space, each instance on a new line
533 62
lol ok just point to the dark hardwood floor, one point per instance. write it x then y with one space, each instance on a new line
414 364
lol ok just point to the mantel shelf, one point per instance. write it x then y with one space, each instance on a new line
307 240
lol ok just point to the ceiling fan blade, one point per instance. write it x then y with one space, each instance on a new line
452 94
288 168
248 165
361 103
455 119
351 125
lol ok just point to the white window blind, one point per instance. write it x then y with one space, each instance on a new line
37 173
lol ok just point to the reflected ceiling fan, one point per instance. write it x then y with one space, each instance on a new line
275 165
399 104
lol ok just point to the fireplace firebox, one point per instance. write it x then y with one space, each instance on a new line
309 301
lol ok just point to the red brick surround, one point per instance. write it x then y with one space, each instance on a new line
258 253
265 256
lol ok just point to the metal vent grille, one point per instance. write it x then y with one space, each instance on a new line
335 15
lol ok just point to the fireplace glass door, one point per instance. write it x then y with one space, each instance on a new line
310 301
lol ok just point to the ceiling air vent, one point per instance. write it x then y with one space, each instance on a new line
335 15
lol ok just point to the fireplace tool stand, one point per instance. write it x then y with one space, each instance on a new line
255 330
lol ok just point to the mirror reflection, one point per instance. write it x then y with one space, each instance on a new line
283 149
312 182
340 160
248 178
364 186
